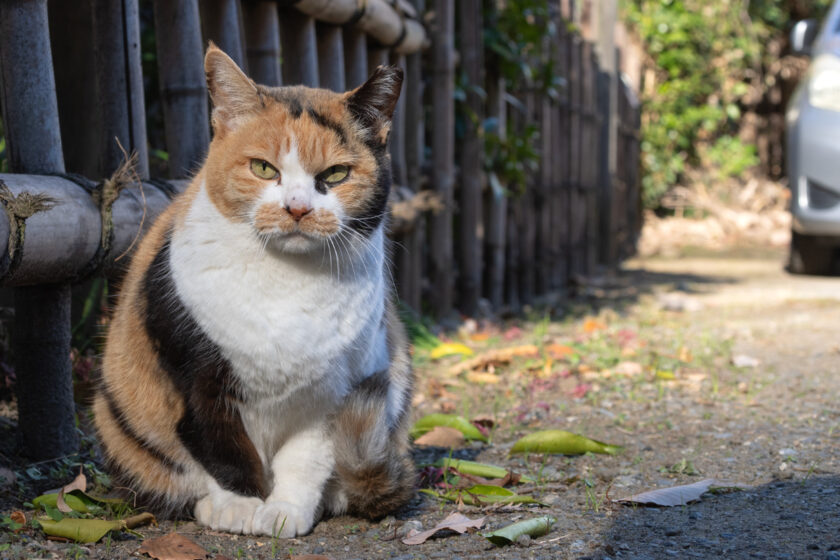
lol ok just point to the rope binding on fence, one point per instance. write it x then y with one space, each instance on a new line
18 209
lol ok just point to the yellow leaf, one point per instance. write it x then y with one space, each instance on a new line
450 349
559 351
482 377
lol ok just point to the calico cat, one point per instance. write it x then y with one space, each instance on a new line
255 372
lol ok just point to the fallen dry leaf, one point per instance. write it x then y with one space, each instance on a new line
482 377
484 420
628 368
79 483
454 522
499 356
559 351
442 436
590 325
173 547
18 517
673 496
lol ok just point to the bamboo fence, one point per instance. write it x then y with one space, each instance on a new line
71 86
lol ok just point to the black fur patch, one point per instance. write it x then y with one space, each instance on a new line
138 440
375 212
323 121
211 427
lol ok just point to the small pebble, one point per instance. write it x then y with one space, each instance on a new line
832 555
695 515
524 540
672 532
408 526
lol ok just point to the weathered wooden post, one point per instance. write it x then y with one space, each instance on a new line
330 56
470 239
443 150
355 57
221 23
560 164
262 41
412 281
183 90
300 48
119 84
41 338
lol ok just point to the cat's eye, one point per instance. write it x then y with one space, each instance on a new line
334 174
263 169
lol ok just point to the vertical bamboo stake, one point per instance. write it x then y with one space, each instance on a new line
577 211
402 258
496 199
414 156
41 341
300 48
546 251
470 239
443 150
182 87
221 22
377 56
594 149
562 168
330 57
527 218
119 83
355 57
262 41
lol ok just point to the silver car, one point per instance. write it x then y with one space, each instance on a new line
813 149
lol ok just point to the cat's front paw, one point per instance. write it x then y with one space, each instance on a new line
281 519
227 512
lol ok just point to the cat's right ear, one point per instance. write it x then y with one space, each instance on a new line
233 94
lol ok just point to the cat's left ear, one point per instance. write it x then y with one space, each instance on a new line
372 104
233 94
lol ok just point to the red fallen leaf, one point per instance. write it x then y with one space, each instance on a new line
18 517
454 522
581 390
173 547
512 333
79 483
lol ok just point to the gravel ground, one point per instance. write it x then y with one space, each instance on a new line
771 422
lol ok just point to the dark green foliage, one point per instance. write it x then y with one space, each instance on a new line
710 59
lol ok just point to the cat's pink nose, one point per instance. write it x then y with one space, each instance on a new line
298 212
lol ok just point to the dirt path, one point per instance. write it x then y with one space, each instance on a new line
653 371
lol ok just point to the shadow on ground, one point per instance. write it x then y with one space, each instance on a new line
782 519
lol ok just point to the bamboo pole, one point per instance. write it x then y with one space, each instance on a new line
300 48
561 158
262 41
119 84
377 55
401 256
414 156
443 150
41 329
526 215
470 239
330 56
221 22
183 90
355 57
593 147
577 205
496 199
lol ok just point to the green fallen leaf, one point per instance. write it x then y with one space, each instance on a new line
81 502
477 469
482 494
460 423
50 501
536 527
563 442
90 530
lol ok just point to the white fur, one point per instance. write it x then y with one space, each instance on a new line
299 335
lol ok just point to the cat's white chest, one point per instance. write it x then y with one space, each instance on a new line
289 327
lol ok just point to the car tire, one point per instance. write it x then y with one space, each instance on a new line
810 255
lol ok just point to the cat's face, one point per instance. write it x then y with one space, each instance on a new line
303 167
